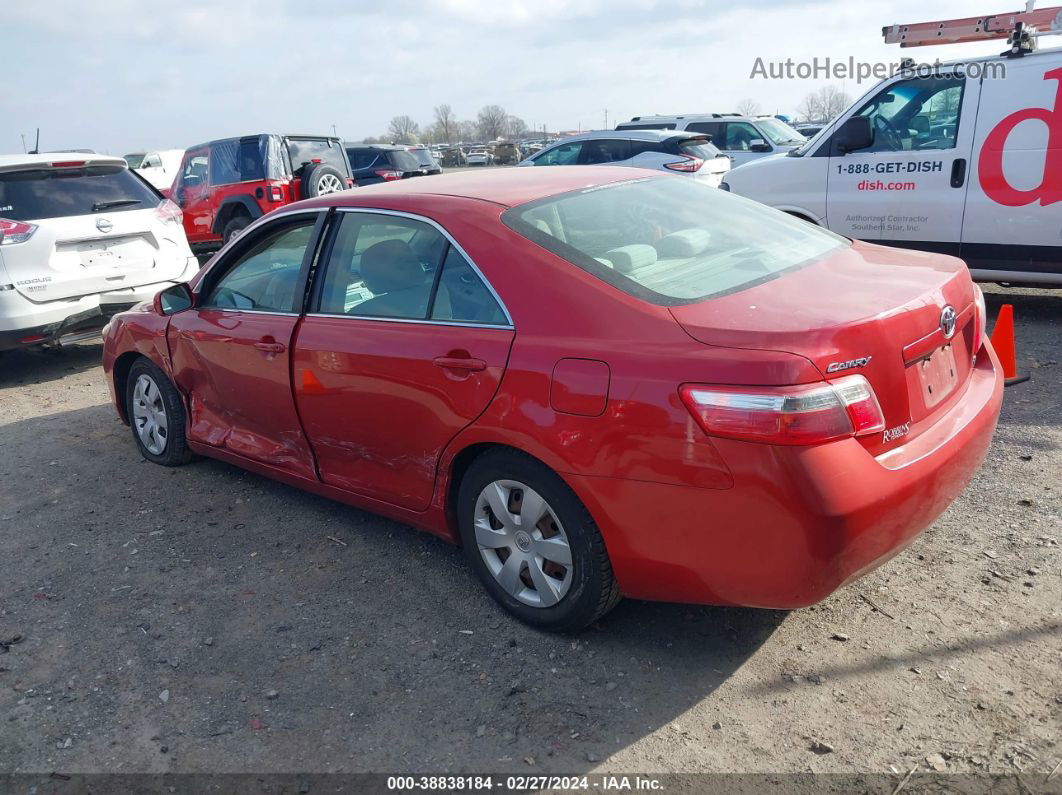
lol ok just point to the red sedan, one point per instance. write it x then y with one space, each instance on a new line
598 381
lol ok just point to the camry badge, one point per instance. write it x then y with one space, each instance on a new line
947 321
836 367
104 225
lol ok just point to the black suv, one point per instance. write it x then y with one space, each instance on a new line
427 160
382 163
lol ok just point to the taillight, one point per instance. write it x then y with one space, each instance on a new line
689 164
276 193
793 415
980 320
388 174
169 213
13 232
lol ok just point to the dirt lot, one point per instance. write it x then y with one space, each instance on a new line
206 619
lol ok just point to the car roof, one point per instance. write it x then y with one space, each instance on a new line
349 145
19 162
504 186
634 135
300 136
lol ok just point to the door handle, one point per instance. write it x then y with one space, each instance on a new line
459 363
958 172
270 347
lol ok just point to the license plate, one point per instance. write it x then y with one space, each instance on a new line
938 376
95 255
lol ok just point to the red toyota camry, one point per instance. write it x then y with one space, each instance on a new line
598 381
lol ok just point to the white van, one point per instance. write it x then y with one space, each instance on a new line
742 138
957 159
159 167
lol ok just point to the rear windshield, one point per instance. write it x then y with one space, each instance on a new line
307 150
671 241
423 157
699 147
58 192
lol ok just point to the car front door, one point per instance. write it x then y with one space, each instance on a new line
231 352
192 193
909 186
404 345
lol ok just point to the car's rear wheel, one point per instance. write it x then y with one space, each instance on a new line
156 415
234 227
533 543
319 180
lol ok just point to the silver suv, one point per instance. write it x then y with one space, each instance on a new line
677 152
743 138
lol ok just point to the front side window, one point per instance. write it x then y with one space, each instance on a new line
153 160
561 155
738 136
671 241
265 277
916 115
194 170
605 150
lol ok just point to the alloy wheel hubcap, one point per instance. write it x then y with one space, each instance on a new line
329 183
523 543
149 415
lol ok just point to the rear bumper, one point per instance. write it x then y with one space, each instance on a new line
798 522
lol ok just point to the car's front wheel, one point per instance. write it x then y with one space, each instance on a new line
156 415
533 543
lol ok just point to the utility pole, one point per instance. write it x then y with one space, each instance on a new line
606 118
334 133
23 142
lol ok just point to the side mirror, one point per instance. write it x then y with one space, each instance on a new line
759 145
855 134
174 299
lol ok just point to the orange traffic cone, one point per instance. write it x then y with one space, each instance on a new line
1003 342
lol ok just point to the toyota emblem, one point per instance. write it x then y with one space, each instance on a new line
947 321
104 225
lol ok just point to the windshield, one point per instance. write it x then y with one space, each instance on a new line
779 132
671 241
60 192
134 161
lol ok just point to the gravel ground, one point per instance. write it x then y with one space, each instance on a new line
206 619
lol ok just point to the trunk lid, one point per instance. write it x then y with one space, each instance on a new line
868 310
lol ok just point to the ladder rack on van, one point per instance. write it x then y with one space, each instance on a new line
1018 27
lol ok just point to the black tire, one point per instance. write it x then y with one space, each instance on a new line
234 226
593 590
175 451
314 174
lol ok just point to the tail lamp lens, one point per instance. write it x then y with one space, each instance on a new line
690 164
388 174
169 213
792 415
13 232
980 320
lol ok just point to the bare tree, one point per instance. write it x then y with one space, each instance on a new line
403 130
824 104
749 107
492 122
445 124
467 130
516 128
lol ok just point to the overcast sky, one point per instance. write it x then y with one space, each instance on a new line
121 75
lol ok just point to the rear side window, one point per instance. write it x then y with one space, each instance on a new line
671 241
43 193
363 158
237 160
712 128
309 150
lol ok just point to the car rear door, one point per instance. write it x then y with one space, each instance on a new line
909 186
231 352
405 344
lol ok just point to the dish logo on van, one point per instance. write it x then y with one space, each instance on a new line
990 161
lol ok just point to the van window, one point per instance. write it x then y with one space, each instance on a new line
916 115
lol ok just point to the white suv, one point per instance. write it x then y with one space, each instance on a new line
743 138
81 238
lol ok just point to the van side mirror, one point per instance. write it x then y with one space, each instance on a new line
759 145
174 299
855 134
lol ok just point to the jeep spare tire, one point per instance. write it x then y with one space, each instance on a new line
319 179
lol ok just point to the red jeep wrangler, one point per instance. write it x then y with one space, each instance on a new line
224 185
